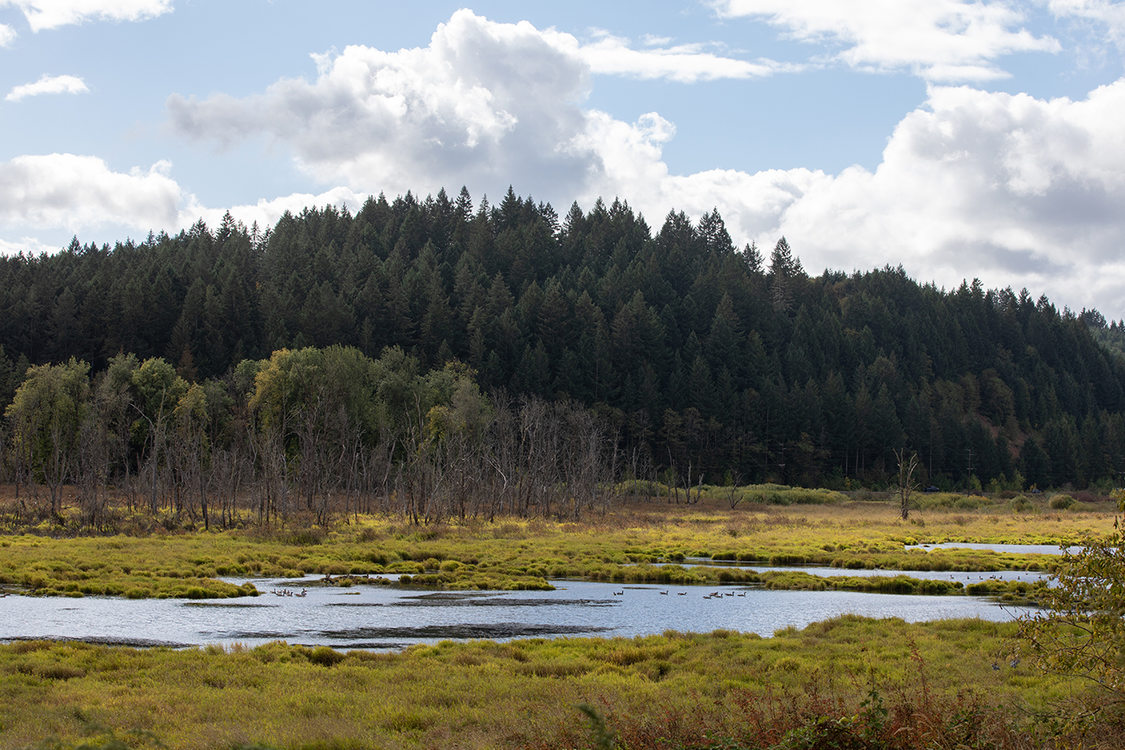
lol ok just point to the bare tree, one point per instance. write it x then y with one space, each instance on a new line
94 450
907 485
734 497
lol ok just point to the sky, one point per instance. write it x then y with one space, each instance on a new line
959 139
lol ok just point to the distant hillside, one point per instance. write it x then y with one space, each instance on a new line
704 357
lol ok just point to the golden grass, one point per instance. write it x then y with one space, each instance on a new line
903 685
672 690
642 543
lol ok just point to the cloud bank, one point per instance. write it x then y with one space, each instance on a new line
1013 189
81 192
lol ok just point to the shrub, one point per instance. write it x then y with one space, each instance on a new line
1060 502
60 672
1080 630
305 537
326 656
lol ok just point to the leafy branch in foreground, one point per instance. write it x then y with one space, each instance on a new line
1081 630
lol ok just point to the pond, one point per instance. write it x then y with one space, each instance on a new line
1021 549
380 617
965 577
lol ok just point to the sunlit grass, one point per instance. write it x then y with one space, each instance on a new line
644 543
682 688
719 690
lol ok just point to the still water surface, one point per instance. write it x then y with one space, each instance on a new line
387 618
965 577
1022 549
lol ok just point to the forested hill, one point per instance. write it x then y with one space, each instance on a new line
734 362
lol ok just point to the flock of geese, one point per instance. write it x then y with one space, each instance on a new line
720 594
712 595
289 592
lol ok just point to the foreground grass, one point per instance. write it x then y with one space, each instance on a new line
947 684
648 543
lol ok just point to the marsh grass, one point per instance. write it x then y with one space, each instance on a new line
882 681
644 543
848 682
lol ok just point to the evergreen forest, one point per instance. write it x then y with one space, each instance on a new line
665 354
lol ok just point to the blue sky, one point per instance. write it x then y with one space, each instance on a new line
959 139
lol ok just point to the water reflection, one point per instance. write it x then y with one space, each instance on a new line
382 617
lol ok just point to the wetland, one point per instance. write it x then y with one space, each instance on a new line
673 626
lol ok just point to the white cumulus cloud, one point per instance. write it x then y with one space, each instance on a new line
940 40
80 192
1009 188
7 35
66 194
484 103
50 14
48 85
266 212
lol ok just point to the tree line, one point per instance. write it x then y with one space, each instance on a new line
705 362
308 433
